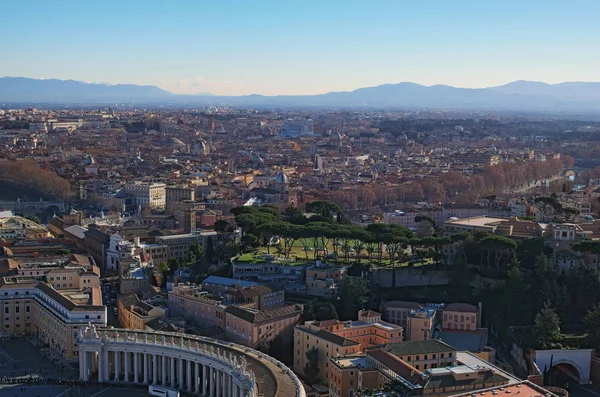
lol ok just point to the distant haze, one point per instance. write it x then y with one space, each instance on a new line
519 95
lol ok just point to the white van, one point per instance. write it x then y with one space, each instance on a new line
162 391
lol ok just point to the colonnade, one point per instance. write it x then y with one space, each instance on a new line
197 365
159 369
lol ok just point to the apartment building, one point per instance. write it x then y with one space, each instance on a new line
336 338
175 194
255 328
201 307
178 245
16 228
134 313
422 368
398 311
322 279
420 324
148 194
37 309
269 272
461 316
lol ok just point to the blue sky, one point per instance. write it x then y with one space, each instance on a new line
232 47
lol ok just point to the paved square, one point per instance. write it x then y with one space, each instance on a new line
19 357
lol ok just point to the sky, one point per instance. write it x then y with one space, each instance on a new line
273 47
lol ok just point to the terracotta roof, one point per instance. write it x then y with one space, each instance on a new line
335 339
418 347
397 365
404 304
7 266
461 307
327 323
258 316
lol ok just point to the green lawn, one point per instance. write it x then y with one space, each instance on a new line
298 256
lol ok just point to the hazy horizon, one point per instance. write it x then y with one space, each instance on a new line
300 47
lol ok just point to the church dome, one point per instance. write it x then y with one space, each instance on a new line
281 179
171 142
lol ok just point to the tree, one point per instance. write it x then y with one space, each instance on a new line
222 226
293 215
196 251
499 246
353 295
592 324
325 208
311 369
567 161
210 250
309 311
250 240
546 326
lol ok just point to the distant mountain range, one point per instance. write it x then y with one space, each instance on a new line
518 95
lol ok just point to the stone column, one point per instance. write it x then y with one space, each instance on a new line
179 371
105 365
218 375
146 381
164 371
204 380
81 360
86 375
172 371
136 367
197 377
154 369
189 376
229 384
126 368
100 364
236 391
117 366
211 384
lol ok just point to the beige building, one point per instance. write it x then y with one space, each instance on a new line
203 308
50 301
54 318
134 313
255 328
148 194
334 338
171 247
420 324
461 316
175 194
323 279
398 312
429 368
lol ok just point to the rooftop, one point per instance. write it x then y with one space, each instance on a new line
526 388
418 347
477 221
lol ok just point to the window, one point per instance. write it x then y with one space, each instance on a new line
442 355
417 358
6 309
425 358
449 354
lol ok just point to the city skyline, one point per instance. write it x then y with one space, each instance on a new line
273 48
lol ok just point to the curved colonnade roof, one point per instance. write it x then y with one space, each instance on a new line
272 377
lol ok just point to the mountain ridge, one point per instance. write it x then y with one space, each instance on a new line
520 94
